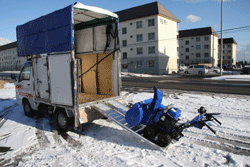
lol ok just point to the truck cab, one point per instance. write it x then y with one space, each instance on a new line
24 88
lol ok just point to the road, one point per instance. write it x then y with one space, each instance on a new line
189 83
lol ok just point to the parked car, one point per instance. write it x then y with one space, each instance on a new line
182 67
245 70
197 69
214 69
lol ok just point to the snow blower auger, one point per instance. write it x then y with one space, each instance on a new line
162 122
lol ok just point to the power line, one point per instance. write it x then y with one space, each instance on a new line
235 28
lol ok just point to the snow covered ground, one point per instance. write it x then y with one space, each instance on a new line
36 142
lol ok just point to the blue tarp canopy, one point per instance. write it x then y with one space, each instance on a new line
55 32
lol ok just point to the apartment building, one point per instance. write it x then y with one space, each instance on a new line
9 61
198 46
229 51
148 39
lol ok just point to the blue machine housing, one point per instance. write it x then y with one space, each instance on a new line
144 112
175 113
150 111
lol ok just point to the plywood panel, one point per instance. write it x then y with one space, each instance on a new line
89 79
86 97
105 75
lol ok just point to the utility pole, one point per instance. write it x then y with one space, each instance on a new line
221 41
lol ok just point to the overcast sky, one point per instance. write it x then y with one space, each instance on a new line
192 13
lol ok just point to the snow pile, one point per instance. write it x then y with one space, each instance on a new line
35 141
232 78
127 74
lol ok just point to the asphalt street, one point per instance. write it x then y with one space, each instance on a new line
189 83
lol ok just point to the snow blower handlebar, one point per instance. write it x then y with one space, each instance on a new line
200 120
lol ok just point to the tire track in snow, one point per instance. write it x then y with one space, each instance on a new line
217 145
241 142
56 134
41 137
220 142
54 129
6 112
71 142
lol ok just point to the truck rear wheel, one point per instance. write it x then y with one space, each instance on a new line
28 111
64 122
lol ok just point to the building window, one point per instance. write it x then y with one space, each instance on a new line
139 24
229 57
131 49
124 43
131 36
206 38
139 63
124 30
206 54
198 47
124 66
131 24
187 49
139 51
229 46
151 50
151 36
198 39
229 51
198 55
124 55
151 22
151 63
139 38
187 42
187 57
206 46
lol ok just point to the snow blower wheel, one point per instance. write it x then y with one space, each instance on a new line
164 140
149 132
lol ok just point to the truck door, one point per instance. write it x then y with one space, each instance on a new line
41 77
61 79
24 85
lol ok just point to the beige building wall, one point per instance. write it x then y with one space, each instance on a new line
167 35
229 54
198 50
163 60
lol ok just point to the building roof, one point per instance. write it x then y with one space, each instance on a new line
154 8
197 32
8 46
227 41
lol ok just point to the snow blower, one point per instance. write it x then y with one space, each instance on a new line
162 122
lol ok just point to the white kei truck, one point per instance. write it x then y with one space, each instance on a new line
73 68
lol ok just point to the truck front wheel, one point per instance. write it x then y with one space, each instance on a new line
28 111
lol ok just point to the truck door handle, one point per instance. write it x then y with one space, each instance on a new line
28 84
